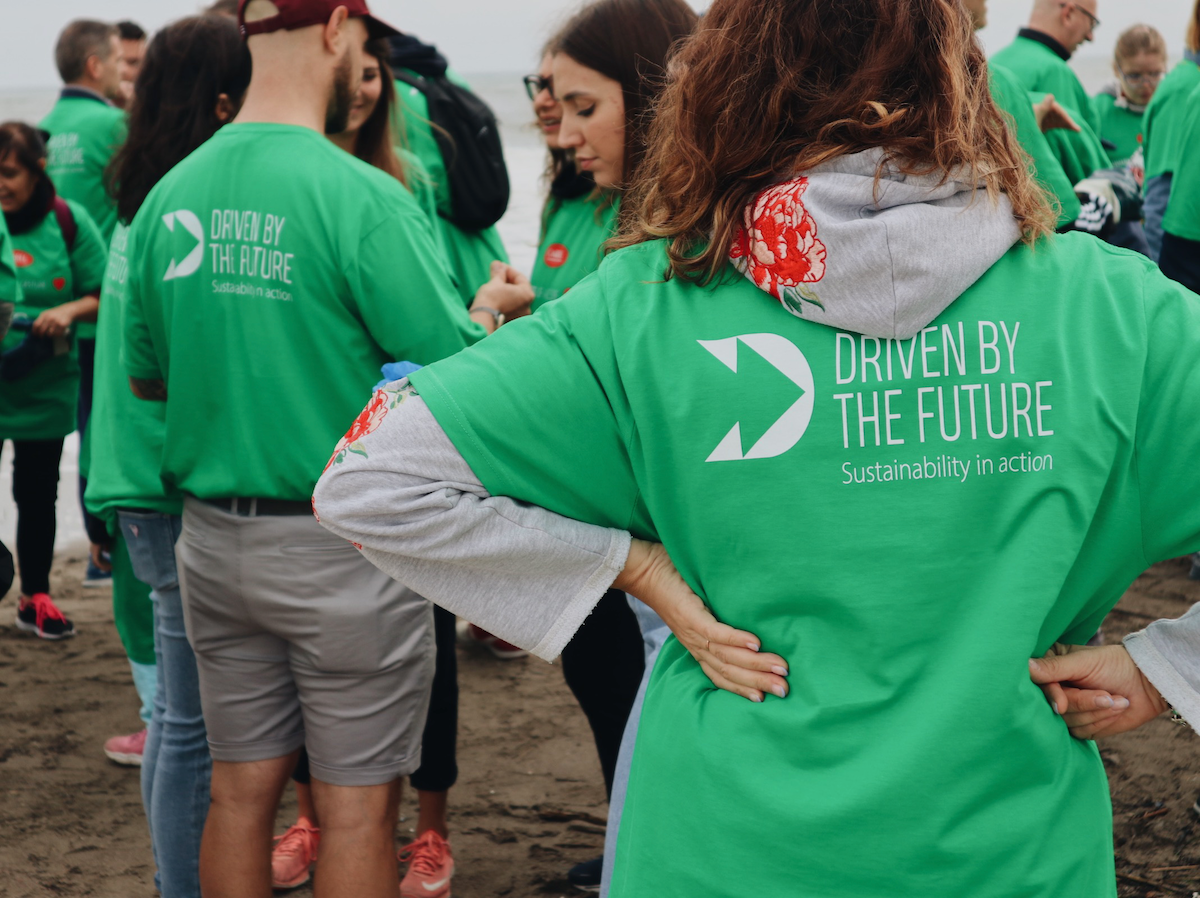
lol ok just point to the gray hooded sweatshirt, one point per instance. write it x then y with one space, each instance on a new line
906 249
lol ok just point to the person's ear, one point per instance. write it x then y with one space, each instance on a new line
334 32
225 109
93 67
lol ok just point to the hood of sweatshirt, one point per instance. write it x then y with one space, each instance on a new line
884 262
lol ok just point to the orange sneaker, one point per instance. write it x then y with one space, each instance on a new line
294 854
430 866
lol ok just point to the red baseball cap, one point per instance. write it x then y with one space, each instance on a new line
302 13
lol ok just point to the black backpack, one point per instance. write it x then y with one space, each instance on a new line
466 132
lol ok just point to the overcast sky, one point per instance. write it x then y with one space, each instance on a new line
476 35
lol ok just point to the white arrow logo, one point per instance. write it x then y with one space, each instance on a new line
191 262
785 357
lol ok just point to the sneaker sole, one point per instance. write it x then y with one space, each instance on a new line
123 758
96 584
32 628
293 884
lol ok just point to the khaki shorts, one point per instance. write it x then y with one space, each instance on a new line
299 640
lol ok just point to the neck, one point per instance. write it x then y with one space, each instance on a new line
285 90
347 140
1050 28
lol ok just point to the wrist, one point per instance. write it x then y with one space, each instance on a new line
495 315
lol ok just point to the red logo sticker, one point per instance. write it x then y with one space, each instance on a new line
59 283
556 255
22 258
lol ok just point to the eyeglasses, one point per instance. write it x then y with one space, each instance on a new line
1142 77
535 84
1094 20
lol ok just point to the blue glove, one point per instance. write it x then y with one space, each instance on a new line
396 371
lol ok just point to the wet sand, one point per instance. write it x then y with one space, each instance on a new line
530 800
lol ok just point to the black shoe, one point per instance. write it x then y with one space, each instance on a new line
586 876
40 615
1196 807
1194 573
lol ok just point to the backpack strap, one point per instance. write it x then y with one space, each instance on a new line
66 222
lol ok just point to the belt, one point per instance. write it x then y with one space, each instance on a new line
255 508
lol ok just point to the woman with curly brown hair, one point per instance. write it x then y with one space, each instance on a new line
844 386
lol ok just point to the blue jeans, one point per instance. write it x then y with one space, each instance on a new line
176 767
654 634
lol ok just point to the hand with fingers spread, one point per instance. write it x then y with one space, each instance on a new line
729 657
1050 115
1098 691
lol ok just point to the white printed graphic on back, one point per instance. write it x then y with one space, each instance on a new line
788 360
191 262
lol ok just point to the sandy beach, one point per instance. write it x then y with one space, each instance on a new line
529 802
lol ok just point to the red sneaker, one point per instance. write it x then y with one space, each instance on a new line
38 614
126 750
430 866
294 854
469 634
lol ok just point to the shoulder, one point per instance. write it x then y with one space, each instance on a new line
1077 268
82 217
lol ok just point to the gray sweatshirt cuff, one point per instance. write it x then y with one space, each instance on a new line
417 511
1168 653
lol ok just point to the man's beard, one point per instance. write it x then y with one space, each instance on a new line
337 116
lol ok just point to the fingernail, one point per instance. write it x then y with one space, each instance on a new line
1120 703
752 646
756 697
1054 705
781 691
1033 664
1103 701
782 671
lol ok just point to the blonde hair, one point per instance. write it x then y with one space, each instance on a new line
1137 39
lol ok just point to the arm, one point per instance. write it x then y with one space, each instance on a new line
408 498
151 390
57 321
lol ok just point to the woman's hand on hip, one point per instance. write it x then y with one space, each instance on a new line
729 657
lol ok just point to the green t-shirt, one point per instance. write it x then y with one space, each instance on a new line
906 523
1079 152
41 405
1119 125
470 253
1162 128
124 434
1182 217
85 133
271 274
10 285
1012 97
1041 70
573 234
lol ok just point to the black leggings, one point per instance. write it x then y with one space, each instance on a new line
439 764
35 490
603 665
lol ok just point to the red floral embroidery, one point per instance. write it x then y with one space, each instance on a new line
367 422
777 245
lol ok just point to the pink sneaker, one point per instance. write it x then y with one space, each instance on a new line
126 750
430 866
469 634
294 854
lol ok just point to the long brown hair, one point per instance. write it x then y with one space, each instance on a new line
376 144
768 88
1193 32
188 65
628 41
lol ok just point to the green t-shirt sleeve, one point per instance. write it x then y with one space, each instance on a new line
404 294
89 254
535 410
1168 426
1182 217
138 355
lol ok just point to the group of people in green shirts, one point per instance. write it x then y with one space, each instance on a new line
242 321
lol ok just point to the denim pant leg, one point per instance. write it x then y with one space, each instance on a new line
654 634
176 766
